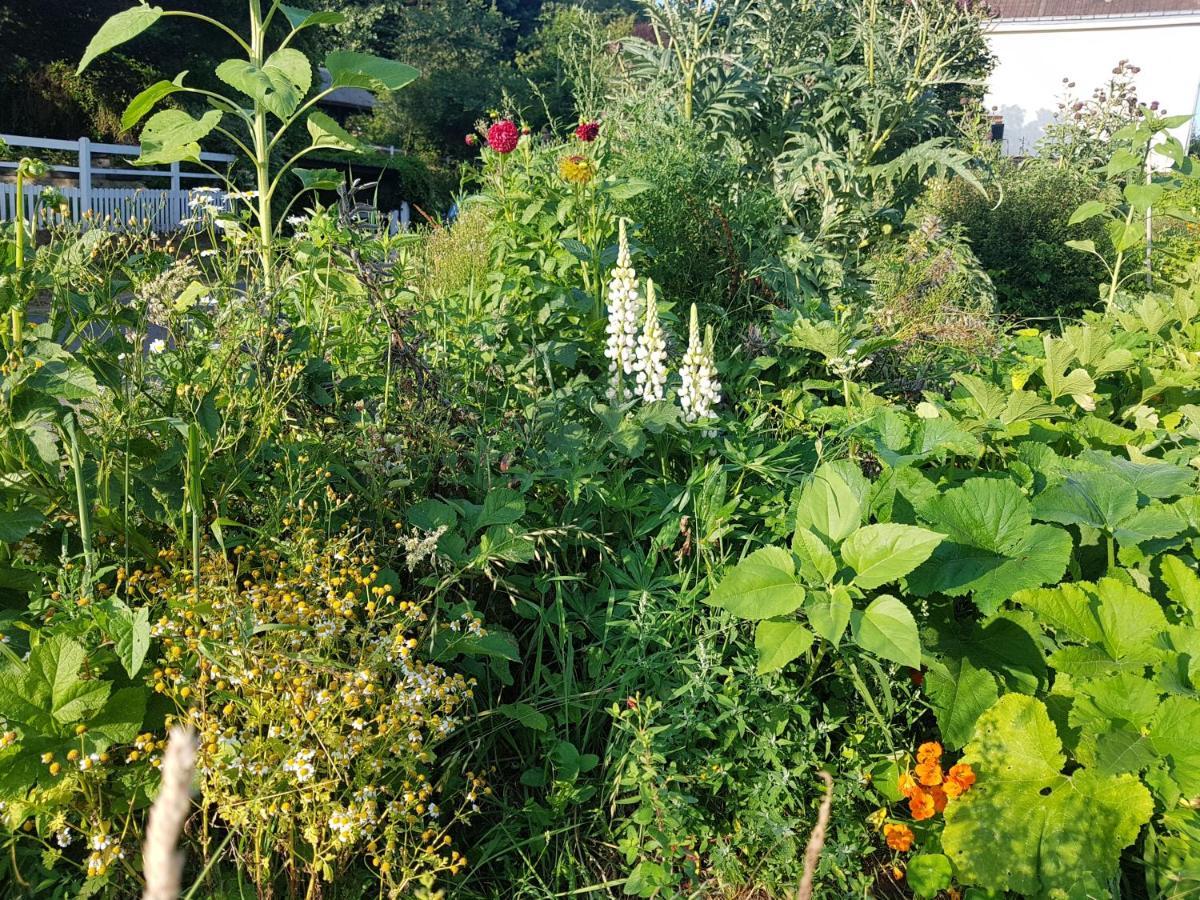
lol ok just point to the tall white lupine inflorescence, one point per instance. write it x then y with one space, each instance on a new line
651 362
624 317
700 391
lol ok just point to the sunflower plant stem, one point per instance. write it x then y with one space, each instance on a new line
81 500
17 314
262 152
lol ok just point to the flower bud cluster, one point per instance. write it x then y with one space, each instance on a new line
651 362
700 391
624 316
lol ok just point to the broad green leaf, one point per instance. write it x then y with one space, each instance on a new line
885 552
525 714
992 550
1026 406
130 631
502 506
959 693
303 18
362 70
887 629
1009 648
984 512
928 874
173 136
1183 585
1024 826
279 85
828 612
1151 523
325 132
779 642
17 523
1175 736
119 722
124 26
1124 697
828 507
1150 478
817 562
1089 209
761 586
141 105
1096 499
1143 196
1069 609
319 179
1130 622
988 397
1082 246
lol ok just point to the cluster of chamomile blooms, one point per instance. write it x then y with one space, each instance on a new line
299 669
637 347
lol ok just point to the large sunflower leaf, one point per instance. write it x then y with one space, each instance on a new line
174 136
1026 827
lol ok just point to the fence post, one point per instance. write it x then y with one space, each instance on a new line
175 177
405 216
85 175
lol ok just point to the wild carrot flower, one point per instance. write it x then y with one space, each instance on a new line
503 136
624 314
701 391
588 131
651 362
899 837
576 169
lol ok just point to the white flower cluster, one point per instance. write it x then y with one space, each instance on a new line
301 765
651 362
624 315
849 365
700 391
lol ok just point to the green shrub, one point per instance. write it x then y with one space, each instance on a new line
1019 235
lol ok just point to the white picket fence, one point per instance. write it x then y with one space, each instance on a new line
165 208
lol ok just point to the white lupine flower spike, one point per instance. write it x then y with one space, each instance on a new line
701 391
651 361
624 318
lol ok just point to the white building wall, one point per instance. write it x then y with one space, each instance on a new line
1033 56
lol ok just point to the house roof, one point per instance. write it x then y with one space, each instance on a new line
1089 9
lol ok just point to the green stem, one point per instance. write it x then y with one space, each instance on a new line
85 513
17 314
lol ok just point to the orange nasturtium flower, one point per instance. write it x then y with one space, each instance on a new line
899 837
958 780
929 752
929 773
908 785
921 805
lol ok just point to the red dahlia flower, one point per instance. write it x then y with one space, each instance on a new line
503 136
588 131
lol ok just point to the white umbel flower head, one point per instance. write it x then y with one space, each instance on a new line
624 318
651 361
700 391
